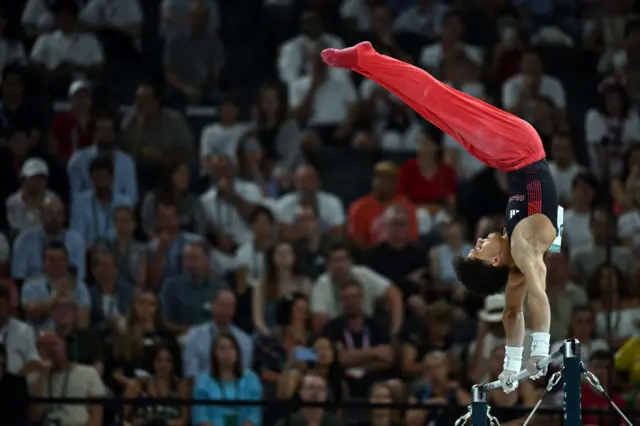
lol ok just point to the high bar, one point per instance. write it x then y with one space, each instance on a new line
521 375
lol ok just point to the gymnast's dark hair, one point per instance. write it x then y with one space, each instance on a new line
480 278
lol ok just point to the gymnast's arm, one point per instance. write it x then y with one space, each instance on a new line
512 317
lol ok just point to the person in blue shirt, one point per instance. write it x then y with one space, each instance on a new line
125 181
92 211
26 261
227 381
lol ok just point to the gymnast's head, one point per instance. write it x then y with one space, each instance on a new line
485 270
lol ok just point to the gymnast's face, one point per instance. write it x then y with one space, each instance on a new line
488 249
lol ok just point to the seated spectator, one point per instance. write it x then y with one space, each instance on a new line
165 250
397 129
583 328
630 173
253 165
342 272
310 243
600 365
425 19
75 129
19 352
57 279
627 360
382 393
249 258
61 55
38 17
314 388
279 134
329 209
382 37
130 255
577 217
12 49
111 296
364 345
163 383
154 135
625 68
200 339
26 261
629 222
175 17
174 185
118 25
605 31
519 91
227 379
134 343
438 389
367 215
24 207
545 120
426 180
586 259
564 168
104 145
182 296
193 60
610 295
92 210
18 112
14 394
489 335
615 120
83 382
280 281
461 72
228 204
223 137
450 39
294 61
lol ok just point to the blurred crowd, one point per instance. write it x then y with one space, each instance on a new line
194 206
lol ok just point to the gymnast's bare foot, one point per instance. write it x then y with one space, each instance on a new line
345 58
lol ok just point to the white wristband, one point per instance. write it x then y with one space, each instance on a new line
540 344
513 358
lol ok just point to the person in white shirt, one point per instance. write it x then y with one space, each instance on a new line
450 41
296 55
18 337
67 53
576 218
324 300
38 16
249 257
519 91
229 203
222 137
564 167
329 209
629 221
424 19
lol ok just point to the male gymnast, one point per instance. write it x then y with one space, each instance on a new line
511 261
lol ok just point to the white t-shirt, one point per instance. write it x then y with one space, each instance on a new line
217 139
629 226
52 49
224 216
576 229
396 141
119 13
550 87
331 101
18 215
330 209
564 178
325 299
431 55
253 261
20 342
294 60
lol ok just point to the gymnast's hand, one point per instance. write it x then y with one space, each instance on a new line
504 379
532 368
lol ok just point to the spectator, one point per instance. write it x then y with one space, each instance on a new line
626 360
366 224
253 166
545 120
19 352
463 73
600 364
81 382
577 217
28 247
104 145
183 295
364 345
327 207
117 23
163 383
24 207
358 15
280 281
610 130
519 91
564 167
37 293
626 69
310 243
425 19
583 328
111 296
629 222
396 127
38 16
564 296
586 259
17 112
611 298
250 255
226 379
296 58
382 36
229 203
175 17
60 55
223 137
313 389
342 272
12 49
432 55
175 186
92 210
489 334
382 393
279 135
201 339
14 394
135 342
193 61
74 129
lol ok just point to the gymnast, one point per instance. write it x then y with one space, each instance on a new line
509 261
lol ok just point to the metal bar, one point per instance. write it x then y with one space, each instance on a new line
572 374
479 406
